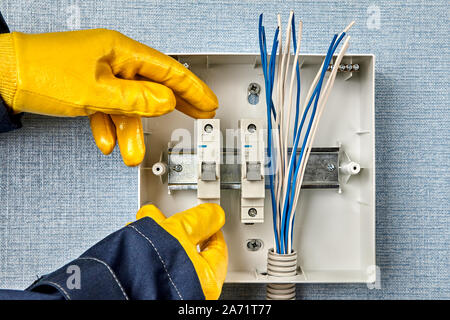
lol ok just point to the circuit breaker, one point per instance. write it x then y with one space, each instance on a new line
252 170
208 160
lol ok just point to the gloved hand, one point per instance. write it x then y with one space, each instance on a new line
102 74
198 226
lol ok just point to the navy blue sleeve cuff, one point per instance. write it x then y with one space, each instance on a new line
140 261
8 121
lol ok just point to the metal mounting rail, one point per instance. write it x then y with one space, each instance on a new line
322 170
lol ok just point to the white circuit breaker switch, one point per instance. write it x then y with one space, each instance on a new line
252 170
209 151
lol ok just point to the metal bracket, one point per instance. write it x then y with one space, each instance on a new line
322 169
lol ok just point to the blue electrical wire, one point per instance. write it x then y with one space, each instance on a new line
334 49
273 56
272 160
290 192
297 102
270 109
269 74
291 185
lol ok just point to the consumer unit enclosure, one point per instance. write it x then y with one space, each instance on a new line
334 231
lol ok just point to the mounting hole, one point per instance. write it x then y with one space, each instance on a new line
208 128
159 168
253 99
355 168
251 128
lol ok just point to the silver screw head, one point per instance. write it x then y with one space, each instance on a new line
254 244
254 88
251 128
178 168
331 167
208 128
252 212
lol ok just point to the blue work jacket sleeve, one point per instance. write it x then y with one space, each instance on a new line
8 121
139 261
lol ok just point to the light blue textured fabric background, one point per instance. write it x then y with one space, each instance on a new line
59 195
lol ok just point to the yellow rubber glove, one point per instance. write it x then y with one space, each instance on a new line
198 226
99 73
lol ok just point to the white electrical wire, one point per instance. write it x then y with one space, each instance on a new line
281 126
321 106
283 106
289 111
322 100
288 46
278 173
291 92
316 78
284 128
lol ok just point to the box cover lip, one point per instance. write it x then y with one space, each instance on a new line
256 54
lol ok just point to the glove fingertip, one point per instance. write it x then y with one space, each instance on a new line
192 111
130 136
103 131
150 211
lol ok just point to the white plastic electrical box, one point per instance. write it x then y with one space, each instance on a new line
334 232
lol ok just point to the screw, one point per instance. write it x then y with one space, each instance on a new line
254 244
186 65
331 167
356 67
253 91
177 168
254 88
208 128
342 67
349 67
251 128
252 212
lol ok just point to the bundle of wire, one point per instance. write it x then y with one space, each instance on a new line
287 168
